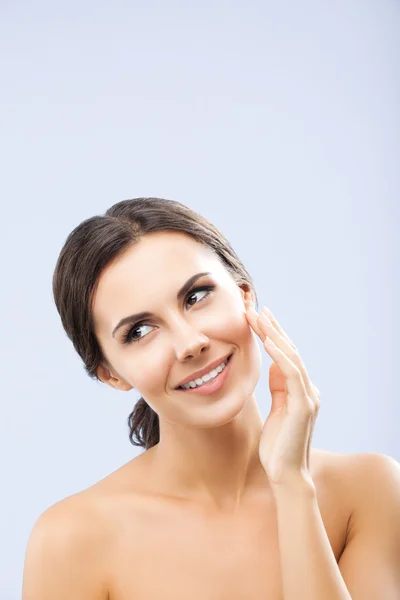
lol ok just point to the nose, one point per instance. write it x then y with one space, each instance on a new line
190 343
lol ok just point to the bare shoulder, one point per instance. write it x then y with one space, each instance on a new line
65 555
365 478
369 484
374 479
76 515
359 466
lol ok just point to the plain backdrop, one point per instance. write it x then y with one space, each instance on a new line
277 121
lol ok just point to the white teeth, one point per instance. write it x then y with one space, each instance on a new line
202 380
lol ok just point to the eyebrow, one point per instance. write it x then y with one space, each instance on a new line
147 315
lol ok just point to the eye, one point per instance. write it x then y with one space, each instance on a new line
129 337
193 293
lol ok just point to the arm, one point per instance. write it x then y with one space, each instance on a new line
308 565
370 562
369 568
62 559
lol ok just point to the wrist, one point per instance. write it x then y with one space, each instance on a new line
294 485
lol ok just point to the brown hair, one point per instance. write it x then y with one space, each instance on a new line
93 245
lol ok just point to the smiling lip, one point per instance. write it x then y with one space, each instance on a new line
202 372
211 386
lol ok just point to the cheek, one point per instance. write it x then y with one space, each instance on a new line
243 335
234 328
229 323
144 375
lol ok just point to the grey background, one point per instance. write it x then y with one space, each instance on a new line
277 121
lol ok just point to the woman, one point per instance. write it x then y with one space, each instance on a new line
219 505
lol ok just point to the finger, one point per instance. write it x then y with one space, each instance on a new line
275 323
272 326
277 334
267 329
252 316
297 393
263 327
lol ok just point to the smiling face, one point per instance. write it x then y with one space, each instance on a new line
180 335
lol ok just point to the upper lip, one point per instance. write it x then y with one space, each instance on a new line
203 371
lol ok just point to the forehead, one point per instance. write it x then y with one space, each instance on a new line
155 267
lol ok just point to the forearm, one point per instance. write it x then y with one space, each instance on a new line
309 568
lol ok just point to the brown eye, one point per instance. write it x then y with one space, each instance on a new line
204 288
198 291
130 338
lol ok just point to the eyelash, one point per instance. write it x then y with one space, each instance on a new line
127 339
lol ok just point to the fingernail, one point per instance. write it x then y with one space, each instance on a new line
265 319
267 312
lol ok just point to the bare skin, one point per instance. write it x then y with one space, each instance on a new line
162 546
195 515
205 514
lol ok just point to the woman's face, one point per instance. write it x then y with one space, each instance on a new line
153 354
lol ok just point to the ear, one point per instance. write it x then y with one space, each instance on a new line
247 294
113 380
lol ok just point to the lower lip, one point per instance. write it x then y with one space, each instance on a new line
212 386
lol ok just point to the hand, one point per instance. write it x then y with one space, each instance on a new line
286 436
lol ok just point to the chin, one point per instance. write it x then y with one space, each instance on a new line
205 413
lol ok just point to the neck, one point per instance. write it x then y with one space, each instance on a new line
218 466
